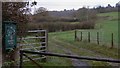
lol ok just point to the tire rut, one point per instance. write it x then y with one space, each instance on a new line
75 62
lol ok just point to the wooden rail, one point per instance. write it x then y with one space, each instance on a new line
34 47
34 31
33 38
72 56
67 56
40 58
31 44
32 60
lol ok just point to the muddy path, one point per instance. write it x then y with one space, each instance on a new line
75 62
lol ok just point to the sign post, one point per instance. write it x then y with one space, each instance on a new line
9 40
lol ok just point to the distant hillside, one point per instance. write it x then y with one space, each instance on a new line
62 14
53 16
81 14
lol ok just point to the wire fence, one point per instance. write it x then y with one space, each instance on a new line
98 37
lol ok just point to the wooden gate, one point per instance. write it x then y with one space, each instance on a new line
37 41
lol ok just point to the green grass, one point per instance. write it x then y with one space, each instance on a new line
74 22
111 14
67 39
51 61
106 24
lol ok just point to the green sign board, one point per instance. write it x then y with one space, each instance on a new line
10 35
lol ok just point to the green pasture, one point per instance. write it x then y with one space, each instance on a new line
67 41
106 24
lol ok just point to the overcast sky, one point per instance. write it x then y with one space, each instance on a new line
70 4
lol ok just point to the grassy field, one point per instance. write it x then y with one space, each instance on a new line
106 24
59 42
64 43
66 40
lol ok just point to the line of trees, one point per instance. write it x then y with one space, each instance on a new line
56 20
109 8
82 14
61 26
43 20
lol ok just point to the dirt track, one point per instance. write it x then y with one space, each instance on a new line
75 62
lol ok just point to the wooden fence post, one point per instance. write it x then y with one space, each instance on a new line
75 35
46 40
112 41
89 37
81 36
21 59
98 38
